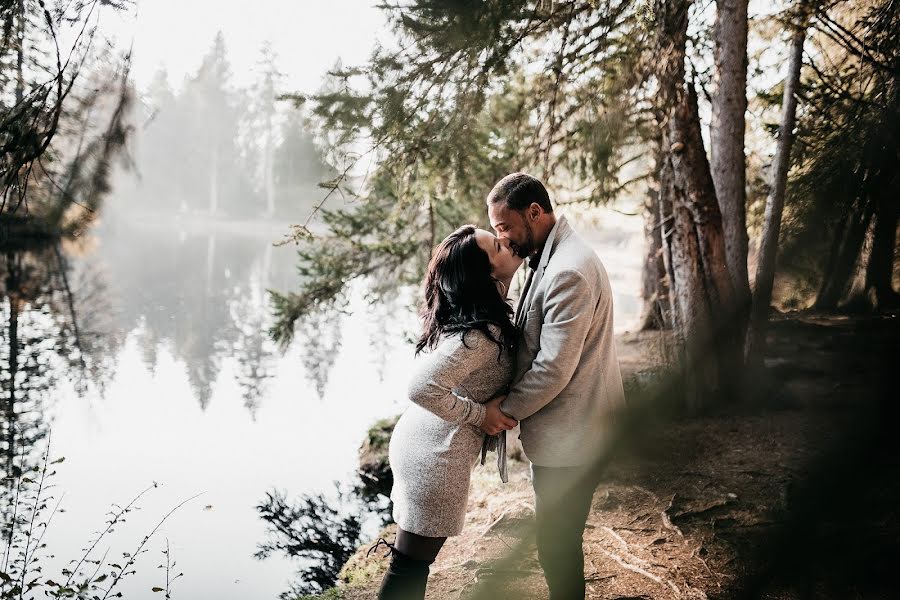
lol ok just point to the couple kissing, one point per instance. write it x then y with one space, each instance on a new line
550 367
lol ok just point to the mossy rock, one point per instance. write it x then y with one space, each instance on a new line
364 568
374 468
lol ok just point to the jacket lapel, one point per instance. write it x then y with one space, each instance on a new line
534 278
520 308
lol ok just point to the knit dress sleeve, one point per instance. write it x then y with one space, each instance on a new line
445 370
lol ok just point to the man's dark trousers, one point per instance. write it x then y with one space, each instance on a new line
562 502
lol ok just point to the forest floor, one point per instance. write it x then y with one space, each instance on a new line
795 494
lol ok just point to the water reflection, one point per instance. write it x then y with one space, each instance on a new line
200 292
48 336
322 336
320 532
183 296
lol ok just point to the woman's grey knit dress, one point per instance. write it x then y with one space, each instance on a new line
437 441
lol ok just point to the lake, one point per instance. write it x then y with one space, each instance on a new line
141 355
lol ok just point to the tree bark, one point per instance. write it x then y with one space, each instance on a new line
728 161
20 52
840 266
880 270
856 299
768 247
654 283
664 205
701 286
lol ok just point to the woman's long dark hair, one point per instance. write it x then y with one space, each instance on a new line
461 295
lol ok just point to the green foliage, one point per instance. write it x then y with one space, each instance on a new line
29 500
62 113
848 130
379 434
374 463
462 102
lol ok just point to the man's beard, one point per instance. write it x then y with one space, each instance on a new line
526 249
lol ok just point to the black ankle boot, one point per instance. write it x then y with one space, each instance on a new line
405 579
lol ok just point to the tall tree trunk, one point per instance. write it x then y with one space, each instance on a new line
768 247
20 52
856 298
269 166
653 276
880 270
701 284
664 204
728 161
843 257
214 180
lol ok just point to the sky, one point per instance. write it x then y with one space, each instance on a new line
308 36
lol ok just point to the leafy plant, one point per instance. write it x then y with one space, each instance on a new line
31 504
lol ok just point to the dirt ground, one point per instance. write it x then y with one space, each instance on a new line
791 495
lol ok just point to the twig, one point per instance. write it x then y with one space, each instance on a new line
26 560
492 571
15 513
110 524
140 547
695 553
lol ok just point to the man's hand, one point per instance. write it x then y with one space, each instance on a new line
494 419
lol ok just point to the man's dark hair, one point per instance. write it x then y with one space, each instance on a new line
518 191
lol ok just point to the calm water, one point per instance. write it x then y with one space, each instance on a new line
149 362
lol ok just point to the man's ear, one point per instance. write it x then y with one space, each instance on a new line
534 210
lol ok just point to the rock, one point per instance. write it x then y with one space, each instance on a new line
374 469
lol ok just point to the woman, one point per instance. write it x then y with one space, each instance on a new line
437 441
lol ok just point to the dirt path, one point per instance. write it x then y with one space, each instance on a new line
795 496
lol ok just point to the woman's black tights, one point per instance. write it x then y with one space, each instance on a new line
411 558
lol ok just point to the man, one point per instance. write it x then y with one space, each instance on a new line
567 382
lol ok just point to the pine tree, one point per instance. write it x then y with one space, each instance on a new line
457 107
842 208
43 93
213 175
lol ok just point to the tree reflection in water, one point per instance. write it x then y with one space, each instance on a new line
321 533
48 337
65 314
321 336
199 290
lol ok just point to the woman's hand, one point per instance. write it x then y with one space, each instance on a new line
494 419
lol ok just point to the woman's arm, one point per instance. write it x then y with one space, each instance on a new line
448 367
